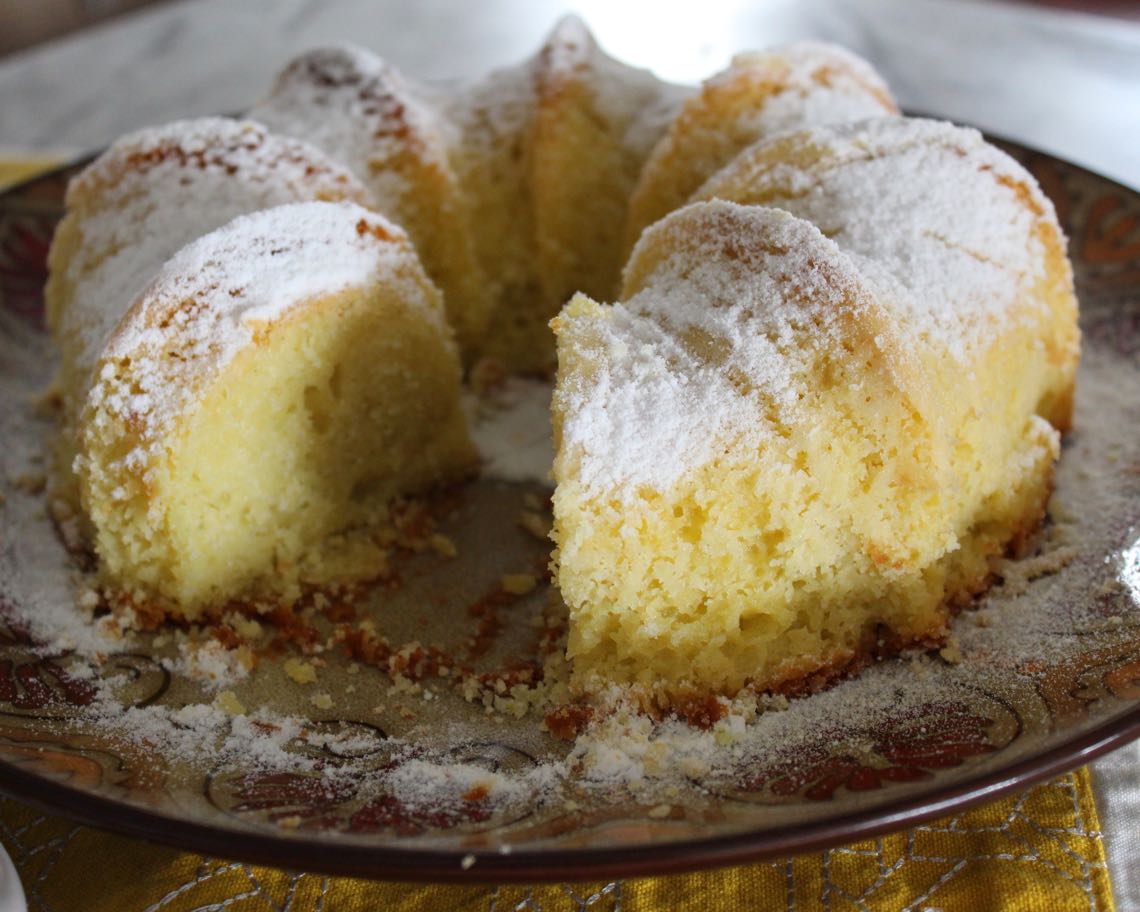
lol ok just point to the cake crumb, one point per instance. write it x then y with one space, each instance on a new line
301 672
661 811
442 545
245 627
724 737
88 599
777 702
322 701
467 862
228 702
1017 574
29 482
951 652
517 583
402 684
535 524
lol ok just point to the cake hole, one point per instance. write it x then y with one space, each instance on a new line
318 417
759 625
773 539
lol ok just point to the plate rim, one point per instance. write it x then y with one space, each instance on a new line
527 865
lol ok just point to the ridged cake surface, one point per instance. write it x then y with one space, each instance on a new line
143 199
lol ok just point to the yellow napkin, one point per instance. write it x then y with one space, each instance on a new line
1038 850
1041 849
14 169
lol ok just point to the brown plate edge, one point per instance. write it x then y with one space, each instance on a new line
560 865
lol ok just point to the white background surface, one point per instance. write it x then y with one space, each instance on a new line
11 893
1063 82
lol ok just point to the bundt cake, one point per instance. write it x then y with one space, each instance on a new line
802 433
258 407
138 203
830 391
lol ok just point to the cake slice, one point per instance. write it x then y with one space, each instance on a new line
262 402
775 462
151 193
492 158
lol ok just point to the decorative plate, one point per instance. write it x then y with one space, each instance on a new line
427 773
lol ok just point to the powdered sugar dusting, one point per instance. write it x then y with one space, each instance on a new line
208 300
210 663
511 428
652 409
156 190
822 83
199 732
655 406
943 222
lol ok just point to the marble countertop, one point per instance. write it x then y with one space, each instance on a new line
1064 82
